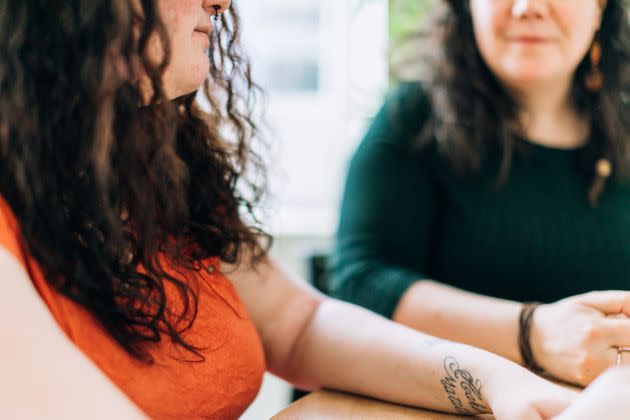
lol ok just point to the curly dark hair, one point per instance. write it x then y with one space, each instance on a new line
106 191
472 112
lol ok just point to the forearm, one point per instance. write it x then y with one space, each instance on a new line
347 348
457 315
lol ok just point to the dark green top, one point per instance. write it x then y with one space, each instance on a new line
407 215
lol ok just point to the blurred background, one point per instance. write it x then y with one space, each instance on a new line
324 66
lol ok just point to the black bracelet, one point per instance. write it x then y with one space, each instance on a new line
524 333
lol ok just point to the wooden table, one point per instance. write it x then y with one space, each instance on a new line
329 405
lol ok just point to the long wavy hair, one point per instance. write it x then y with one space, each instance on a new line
108 191
473 113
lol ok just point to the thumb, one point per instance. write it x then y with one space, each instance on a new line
609 302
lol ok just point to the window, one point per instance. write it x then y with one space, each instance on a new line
323 65
287 55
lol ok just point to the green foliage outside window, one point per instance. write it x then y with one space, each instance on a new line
406 16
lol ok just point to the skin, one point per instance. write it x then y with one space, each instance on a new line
188 35
538 42
188 24
533 47
309 339
606 398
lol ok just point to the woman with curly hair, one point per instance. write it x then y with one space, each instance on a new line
135 276
501 176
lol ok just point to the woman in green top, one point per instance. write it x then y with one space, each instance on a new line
500 179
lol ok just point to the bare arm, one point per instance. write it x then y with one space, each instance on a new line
385 241
573 339
42 375
318 342
465 317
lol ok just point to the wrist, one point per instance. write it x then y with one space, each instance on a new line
536 337
528 336
493 373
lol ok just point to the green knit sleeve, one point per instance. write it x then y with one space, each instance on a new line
388 209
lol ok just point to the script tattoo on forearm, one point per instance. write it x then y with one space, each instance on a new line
457 377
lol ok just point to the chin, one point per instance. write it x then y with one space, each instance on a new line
198 84
201 73
529 74
191 85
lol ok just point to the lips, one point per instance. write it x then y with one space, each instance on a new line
530 39
207 30
532 35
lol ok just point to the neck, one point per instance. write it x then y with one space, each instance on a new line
549 117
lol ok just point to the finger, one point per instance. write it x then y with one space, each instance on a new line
594 364
614 376
610 302
616 331
622 358
613 358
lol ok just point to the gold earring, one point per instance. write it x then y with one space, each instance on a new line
594 79
603 171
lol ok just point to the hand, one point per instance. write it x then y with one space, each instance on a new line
514 393
576 339
606 398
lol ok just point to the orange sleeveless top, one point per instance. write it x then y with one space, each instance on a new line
221 387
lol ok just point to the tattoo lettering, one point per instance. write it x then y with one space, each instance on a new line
450 386
470 386
451 390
